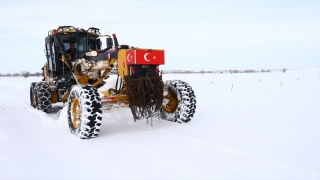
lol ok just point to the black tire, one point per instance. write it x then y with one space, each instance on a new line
84 111
185 104
33 95
43 96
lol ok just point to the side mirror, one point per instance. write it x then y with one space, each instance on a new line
109 42
98 44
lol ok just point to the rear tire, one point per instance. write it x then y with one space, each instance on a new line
33 95
84 111
43 96
179 102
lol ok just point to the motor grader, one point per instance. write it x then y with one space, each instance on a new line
75 80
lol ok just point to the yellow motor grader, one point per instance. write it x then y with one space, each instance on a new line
75 77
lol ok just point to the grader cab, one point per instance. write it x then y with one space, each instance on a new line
75 79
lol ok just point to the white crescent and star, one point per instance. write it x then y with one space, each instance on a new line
129 57
145 57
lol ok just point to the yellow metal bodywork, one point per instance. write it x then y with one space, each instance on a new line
83 79
172 105
45 73
114 98
63 58
65 97
64 30
122 64
105 66
54 97
105 93
105 73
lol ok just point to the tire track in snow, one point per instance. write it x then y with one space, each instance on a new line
46 119
214 148
283 167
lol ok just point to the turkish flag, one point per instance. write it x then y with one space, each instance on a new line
131 57
145 56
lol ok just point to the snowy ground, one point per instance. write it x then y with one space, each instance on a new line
246 126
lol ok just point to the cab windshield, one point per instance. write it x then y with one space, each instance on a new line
82 43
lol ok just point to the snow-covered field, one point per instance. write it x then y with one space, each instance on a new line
246 126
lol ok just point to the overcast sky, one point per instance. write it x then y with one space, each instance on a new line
198 35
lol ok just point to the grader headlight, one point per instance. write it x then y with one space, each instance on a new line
92 53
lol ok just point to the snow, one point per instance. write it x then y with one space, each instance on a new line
246 126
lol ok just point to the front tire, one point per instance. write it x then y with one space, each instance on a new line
179 102
43 96
84 111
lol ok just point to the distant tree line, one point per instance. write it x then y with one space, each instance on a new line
22 74
27 73
221 71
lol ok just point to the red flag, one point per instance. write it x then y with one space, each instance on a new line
145 56
131 57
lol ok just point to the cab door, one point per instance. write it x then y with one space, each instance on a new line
50 57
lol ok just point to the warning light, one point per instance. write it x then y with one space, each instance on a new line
55 31
132 70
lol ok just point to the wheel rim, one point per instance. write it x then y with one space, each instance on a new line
75 113
172 104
